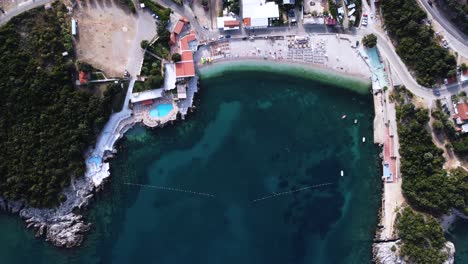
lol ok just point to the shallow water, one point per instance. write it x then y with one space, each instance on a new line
254 134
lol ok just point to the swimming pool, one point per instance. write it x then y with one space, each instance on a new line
161 110
378 69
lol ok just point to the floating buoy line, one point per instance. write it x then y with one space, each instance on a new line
170 189
291 192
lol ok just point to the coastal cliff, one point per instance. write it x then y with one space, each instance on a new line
389 252
63 226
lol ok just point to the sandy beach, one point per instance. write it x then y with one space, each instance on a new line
334 53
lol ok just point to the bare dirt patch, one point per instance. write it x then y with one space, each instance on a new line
105 36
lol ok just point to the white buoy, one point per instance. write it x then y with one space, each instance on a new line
342 173
355 121
363 139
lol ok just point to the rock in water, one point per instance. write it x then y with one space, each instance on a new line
68 233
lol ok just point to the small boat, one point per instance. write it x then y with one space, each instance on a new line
355 121
343 117
363 139
342 173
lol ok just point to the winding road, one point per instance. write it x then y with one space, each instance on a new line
4 18
457 39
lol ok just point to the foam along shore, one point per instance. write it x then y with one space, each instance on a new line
354 82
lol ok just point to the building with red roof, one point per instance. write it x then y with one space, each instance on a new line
172 39
461 113
185 69
178 27
186 56
83 77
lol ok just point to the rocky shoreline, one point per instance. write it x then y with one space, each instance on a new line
388 252
64 226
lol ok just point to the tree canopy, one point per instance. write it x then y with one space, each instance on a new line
415 43
369 41
425 184
423 238
46 124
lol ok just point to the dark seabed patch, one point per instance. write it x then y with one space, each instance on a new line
255 134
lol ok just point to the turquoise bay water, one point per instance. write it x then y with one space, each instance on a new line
161 110
254 133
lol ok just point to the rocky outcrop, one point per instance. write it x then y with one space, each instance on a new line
63 226
450 250
383 252
389 253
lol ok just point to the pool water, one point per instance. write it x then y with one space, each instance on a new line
161 110
378 69
94 160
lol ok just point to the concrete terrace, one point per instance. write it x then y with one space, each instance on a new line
142 112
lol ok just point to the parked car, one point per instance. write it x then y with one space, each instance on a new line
228 36
205 27
429 2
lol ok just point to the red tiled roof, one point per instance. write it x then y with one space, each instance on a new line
185 40
178 27
247 21
465 73
184 45
83 77
187 56
172 39
231 23
185 69
147 102
462 109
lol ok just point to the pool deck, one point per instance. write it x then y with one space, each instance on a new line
142 113
385 134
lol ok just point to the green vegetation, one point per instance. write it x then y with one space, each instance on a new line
176 57
425 184
232 6
144 44
415 42
205 4
333 9
463 67
458 12
45 123
115 94
444 126
163 13
152 66
369 41
423 238
128 4
152 70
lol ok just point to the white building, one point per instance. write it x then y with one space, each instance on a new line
73 27
258 13
146 95
227 23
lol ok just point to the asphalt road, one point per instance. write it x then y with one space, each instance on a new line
4 18
458 41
